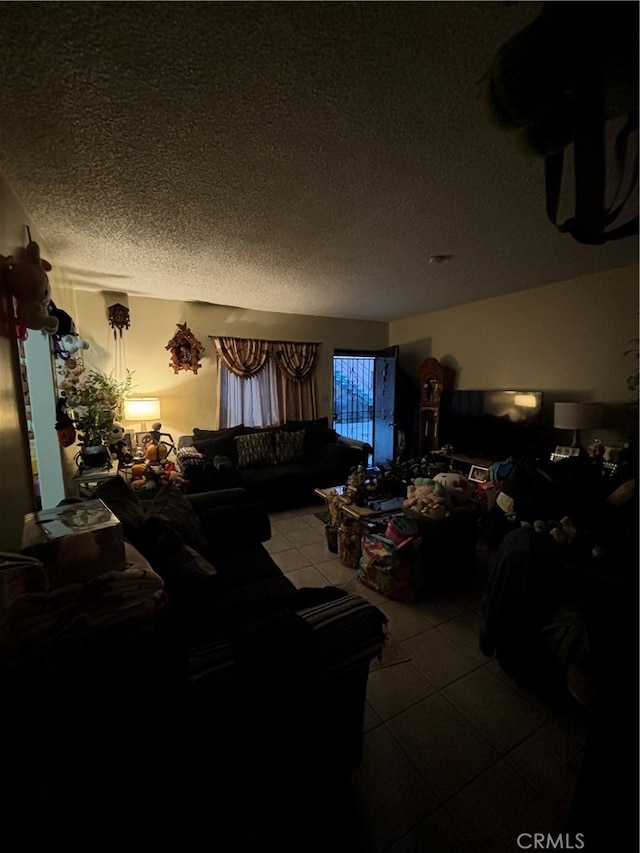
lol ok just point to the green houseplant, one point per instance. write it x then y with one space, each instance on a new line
94 400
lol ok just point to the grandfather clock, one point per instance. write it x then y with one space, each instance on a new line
434 379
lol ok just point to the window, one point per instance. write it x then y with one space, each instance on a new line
263 383
253 402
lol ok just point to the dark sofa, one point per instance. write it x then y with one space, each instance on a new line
278 466
231 721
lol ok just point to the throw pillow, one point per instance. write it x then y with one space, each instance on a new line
212 447
316 439
205 434
123 502
255 450
171 506
289 446
188 457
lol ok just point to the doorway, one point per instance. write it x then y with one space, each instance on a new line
364 399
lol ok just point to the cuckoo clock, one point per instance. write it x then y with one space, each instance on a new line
118 318
185 350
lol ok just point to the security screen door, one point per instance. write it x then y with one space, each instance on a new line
364 399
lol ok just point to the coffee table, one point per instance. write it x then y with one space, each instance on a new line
388 507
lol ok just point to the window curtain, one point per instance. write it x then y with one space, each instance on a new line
253 401
296 363
261 383
243 357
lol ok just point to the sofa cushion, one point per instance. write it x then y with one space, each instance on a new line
171 506
314 423
289 445
191 582
229 528
189 456
205 434
256 449
222 446
123 502
316 439
171 557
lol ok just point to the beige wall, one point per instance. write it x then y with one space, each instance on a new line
190 400
566 339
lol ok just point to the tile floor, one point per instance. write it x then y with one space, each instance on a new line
456 756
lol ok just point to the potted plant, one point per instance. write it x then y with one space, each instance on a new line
93 400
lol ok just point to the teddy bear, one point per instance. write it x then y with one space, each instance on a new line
29 285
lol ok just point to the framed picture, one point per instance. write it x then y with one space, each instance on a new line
141 439
562 452
478 474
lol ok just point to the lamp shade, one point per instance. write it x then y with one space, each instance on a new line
577 415
142 409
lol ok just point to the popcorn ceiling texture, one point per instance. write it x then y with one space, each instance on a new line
299 157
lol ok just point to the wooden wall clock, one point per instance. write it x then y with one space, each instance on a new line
185 350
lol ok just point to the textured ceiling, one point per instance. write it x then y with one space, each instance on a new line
299 157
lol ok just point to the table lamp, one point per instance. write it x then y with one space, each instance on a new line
577 416
142 409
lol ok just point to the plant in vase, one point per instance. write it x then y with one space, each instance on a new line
93 400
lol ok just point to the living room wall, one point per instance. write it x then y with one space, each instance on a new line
190 400
567 339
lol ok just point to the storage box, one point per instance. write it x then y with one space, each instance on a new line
75 542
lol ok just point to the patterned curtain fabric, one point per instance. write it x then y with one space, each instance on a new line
295 360
299 396
242 356
295 396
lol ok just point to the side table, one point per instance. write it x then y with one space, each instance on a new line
85 482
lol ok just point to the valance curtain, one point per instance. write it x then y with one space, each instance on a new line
242 356
246 359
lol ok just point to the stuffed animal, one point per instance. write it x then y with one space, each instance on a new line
156 452
457 487
138 476
118 446
64 425
72 343
428 497
29 284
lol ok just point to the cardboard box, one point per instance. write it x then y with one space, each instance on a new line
75 542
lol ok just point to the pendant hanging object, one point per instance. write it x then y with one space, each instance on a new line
118 317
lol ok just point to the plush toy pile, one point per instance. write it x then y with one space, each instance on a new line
151 468
435 498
